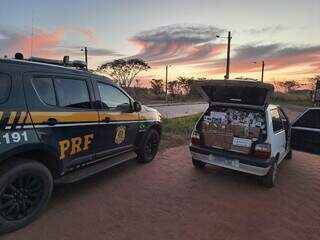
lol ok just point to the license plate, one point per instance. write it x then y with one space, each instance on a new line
223 161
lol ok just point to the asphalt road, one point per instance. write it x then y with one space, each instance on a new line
170 199
172 111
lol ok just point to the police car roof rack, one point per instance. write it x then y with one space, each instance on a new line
65 62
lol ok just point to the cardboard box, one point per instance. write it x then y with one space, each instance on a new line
221 128
240 131
214 128
210 139
227 141
229 129
223 141
254 132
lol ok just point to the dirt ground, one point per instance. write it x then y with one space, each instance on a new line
170 199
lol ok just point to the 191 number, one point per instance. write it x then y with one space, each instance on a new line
15 137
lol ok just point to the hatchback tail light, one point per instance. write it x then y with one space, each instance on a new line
195 137
262 150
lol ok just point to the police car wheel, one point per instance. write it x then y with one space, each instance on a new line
198 164
25 189
149 147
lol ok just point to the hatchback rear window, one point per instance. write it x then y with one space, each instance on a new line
5 87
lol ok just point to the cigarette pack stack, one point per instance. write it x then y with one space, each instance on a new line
233 129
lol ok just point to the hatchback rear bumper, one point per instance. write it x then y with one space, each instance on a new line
238 162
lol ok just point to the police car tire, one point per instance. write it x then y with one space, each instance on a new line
198 164
143 155
269 180
9 173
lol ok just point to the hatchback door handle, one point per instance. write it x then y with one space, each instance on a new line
51 121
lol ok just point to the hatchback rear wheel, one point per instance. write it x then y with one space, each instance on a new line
198 164
270 179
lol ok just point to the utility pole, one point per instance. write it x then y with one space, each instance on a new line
85 50
86 55
228 56
167 83
262 71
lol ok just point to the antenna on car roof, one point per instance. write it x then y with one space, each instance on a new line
32 33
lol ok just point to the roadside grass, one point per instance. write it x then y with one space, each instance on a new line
294 98
177 131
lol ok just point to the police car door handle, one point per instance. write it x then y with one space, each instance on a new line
107 119
51 121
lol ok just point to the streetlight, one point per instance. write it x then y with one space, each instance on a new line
167 67
262 70
228 54
85 50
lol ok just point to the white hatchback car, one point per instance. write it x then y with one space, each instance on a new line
240 130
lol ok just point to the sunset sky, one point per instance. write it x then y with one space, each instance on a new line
283 33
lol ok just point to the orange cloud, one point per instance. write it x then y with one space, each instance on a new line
53 44
193 49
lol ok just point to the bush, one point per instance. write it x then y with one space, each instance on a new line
294 97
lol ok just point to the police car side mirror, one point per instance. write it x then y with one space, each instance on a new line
136 106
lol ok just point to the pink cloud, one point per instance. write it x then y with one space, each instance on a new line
46 44
276 58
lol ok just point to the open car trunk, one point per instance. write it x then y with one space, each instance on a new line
235 120
233 128
244 93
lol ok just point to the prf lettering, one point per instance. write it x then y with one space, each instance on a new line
74 145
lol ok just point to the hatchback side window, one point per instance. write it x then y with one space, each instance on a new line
276 120
45 90
311 119
72 93
5 86
113 99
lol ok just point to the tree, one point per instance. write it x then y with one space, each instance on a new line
124 71
313 81
157 86
185 84
289 85
174 88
